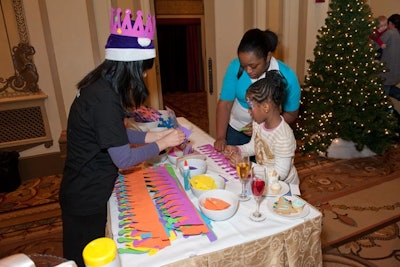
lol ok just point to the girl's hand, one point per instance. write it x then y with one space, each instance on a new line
230 153
220 145
248 129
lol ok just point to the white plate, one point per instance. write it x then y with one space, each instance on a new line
284 190
303 213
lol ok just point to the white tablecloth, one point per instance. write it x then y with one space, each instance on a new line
235 231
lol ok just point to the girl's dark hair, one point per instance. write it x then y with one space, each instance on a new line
258 42
395 19
272 87
126 78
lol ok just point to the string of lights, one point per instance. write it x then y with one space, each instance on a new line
342 95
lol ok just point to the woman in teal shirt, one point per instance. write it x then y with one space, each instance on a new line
254 59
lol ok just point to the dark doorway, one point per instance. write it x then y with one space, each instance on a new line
179 45
181 68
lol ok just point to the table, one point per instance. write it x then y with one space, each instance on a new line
241 242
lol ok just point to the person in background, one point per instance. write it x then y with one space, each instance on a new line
98 143
273 142
233 123
391 57
376 36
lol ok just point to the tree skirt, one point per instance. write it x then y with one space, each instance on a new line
341 149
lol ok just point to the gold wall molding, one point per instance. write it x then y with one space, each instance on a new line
179 7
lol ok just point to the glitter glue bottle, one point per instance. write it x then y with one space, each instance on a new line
186 174
101 252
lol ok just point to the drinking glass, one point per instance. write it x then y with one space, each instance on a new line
242 164
257 188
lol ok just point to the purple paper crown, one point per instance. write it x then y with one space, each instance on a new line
130 40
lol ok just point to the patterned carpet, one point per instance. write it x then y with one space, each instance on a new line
360 205
192 106
30 218
358 198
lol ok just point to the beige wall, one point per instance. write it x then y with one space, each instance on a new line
67 48
384 7
59 31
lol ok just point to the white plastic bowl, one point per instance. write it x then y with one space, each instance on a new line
220 182
197 164
225 195
174 154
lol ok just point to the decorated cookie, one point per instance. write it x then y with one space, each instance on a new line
284 206
298 204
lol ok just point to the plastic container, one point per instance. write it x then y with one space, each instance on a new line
186 174
101 252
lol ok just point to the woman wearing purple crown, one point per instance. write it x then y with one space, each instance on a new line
98 142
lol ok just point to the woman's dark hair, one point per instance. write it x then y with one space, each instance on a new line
273 39
126 78
272 87
256 41
395 19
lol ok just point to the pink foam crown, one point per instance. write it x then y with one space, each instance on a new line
125 27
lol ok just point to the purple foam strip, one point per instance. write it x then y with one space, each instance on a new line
186 131
218 159
188 208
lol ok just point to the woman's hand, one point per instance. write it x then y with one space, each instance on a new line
153 136
170 138
222 120
220 145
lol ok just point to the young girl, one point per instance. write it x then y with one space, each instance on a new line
272 142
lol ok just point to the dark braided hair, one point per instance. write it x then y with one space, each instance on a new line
270 88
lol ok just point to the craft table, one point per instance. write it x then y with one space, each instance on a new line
276 241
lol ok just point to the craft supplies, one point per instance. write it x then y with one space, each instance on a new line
101 252
186 175
153 209
218 158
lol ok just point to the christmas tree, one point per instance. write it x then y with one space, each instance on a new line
342 95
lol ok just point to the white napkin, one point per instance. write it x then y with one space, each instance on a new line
295 189
17 260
